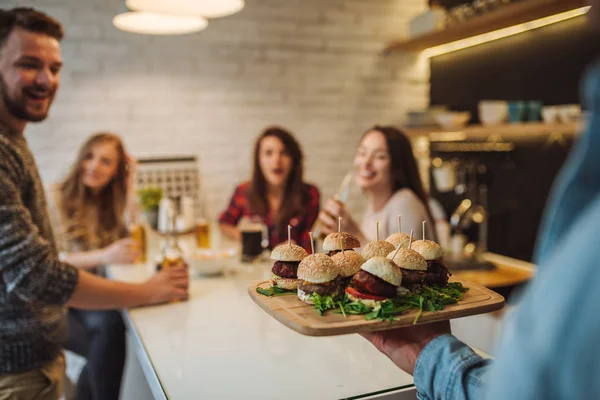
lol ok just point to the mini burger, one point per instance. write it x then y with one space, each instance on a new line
348 263
399 239
338 241
437 273
380 248
285 270
318 273
378 279
412 265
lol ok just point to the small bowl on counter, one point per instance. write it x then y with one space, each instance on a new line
493 112
550 114
452 120
569 113
211 262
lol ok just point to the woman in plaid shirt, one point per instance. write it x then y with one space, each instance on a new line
276 193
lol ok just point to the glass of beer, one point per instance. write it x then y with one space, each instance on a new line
136 232
202 234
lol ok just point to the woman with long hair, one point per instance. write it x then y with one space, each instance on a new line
87 211
386 171
276 193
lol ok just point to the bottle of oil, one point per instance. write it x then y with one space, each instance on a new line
172 254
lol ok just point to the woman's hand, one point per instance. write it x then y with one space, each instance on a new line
123 251
404 345
329 218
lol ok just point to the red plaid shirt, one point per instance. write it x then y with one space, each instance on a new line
301 223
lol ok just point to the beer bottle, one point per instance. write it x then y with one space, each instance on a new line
172 254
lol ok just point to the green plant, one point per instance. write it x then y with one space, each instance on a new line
150 197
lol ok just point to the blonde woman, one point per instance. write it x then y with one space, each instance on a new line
87 211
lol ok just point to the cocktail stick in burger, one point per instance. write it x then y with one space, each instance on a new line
317 273
412 265
285 269
348 263
379 279
437 273
338 241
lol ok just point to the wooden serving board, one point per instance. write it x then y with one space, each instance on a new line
304 318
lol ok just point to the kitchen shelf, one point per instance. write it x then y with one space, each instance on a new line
509 15
505 131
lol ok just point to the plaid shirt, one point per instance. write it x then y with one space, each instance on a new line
301 223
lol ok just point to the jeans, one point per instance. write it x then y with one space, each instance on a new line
98 336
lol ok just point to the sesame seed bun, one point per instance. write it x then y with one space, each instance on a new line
335 241
400 238
285 252
284 283
348 262
429 249
317 268
384 269
380 248
409 259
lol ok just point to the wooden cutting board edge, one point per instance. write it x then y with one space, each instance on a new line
357 324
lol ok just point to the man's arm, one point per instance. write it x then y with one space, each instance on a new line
30 270
28 266
443 367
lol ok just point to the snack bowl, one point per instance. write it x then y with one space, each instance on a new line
209 262
452 120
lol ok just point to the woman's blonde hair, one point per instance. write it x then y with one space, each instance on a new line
78 202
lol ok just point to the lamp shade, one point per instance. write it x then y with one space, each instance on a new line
204 8
150 23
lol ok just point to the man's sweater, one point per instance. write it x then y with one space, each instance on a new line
34 284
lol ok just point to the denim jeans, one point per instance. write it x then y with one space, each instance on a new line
98 336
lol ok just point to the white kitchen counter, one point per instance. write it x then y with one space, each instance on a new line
220 345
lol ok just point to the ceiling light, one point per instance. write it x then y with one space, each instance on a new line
502 33
204 8
149 23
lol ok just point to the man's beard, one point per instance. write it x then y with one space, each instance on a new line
18 109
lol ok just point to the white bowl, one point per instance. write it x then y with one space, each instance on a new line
493 112
211 262
569 113
452 120
550 114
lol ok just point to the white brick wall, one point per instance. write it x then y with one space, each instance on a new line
312 66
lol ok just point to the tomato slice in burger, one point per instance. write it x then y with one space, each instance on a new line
350 290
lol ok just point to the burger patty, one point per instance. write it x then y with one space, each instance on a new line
410 276
437 273
334 252
286 269
365 282
332 288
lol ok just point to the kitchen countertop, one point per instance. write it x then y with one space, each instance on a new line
219 344
508 272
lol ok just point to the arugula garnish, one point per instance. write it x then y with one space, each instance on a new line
430 298
322 303
274 291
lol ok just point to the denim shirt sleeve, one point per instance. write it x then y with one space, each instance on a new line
449 369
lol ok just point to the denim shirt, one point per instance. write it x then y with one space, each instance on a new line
550 348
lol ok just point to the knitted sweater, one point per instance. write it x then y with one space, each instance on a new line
34 284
